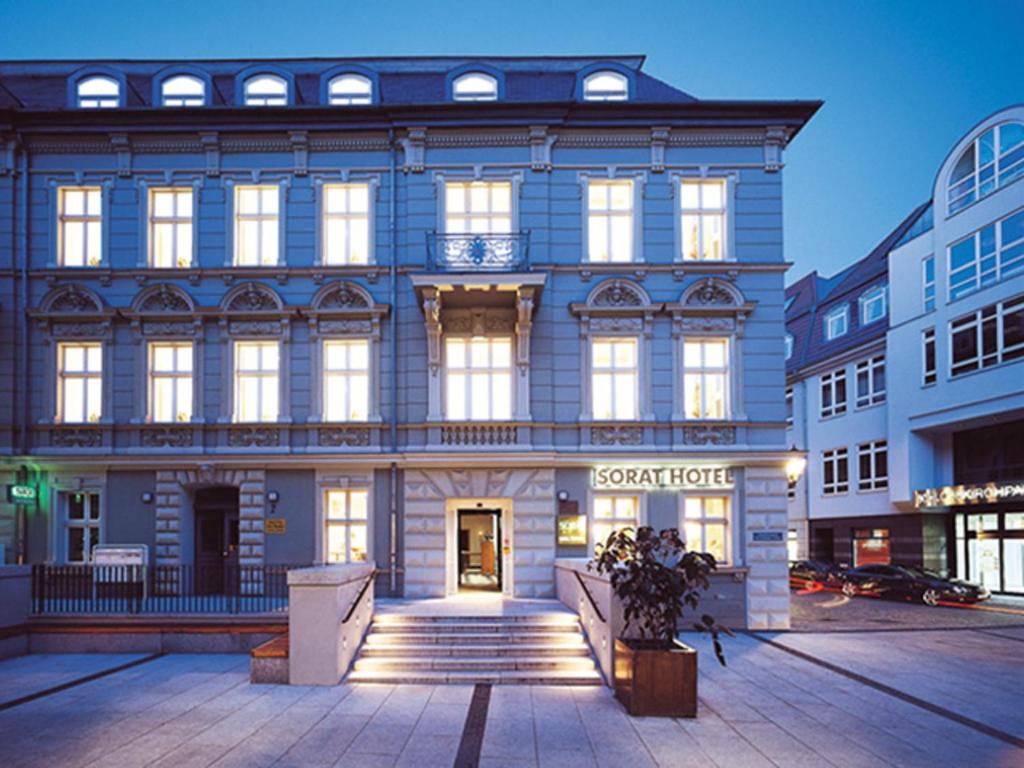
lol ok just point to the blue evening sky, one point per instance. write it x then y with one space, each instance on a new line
901 81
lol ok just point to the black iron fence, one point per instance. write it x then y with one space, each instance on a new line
160 589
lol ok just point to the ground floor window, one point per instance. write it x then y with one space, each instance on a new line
990 550
871 547
81 514
706 526
346 519
792 545
612 513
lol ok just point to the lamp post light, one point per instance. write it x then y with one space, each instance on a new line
795 466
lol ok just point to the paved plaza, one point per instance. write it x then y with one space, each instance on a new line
956 703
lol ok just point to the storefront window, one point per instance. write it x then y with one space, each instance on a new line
1013 564
871 546
990 550
983 559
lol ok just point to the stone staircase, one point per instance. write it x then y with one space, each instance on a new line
536 649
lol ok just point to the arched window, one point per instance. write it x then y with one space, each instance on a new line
99 92
992 160
183 91
606 86
346 90
266 91
475 86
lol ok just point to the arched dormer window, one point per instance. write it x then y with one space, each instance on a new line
183 91
991 161
265 90
98 92
606 85
475 86
350 90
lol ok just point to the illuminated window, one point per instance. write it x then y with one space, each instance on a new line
346 380
706 378
706 526
702 219
81 513
257 234
257 371
929 371
79 382
837 322
873 465
170 381
835 466
99 93
170 227
80 226
609 220
871 381
990 255
346 521
183 91
613 513
614 378
478 378
475 86
871 546
346 226
833 393
266 91
872 305
350 90
992 161
478 207
928 283
606 86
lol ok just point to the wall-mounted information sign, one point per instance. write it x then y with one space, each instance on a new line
275 525
658 476
766 537
572 530
963 495
21 494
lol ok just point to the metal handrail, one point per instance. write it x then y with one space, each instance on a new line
355 603
590 597
478 252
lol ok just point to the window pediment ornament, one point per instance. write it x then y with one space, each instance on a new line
163 299
71 300
617 305
710 305
343 308
251 298
75 312
618 293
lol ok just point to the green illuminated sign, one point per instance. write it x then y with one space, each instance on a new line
21 494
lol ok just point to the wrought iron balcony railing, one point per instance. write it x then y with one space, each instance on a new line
500 252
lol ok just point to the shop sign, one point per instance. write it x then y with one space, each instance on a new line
572 530
275 525
669 477
963 495
21 493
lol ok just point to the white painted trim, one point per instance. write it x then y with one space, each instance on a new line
731 178
639 180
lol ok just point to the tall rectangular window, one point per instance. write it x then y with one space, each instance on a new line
79 382
871 381
81 512
478 207
346 521
170 381
928 283
987 337
835 466
257 389
833 393
170 227
702 213
706 378
610 220
346 225
789 406
257 233
80 226
613 513
991 254
928 366
478 378
614 378
706 526
347 380
873 466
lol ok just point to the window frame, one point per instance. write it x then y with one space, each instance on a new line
605 95
997 271
972 193
86 376
875 480
790 398
467 371
929 376
725 371
726 212
991 313
176 222
152 376
640 513
871 297
928 285
345 374
610 215
788 342
840 311
346 523
190 100
261 375
870 397
614 372
831 380
704 520
88 523
249 100
101 100
838 457
474 96
350 100
234 246
639 182
443 181
324 190
85 219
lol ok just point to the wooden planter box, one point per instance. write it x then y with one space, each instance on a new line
651 680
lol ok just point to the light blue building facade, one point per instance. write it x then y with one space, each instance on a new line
456 317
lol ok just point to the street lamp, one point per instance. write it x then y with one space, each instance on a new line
795 466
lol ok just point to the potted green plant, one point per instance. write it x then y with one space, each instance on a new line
656 579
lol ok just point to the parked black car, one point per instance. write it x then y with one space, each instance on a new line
802 572
905 582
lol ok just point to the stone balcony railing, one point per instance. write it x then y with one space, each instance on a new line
494 252
477 434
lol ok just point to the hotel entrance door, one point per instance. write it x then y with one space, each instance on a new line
479 548
216 562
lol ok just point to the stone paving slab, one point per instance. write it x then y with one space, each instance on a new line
766 709
25 675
